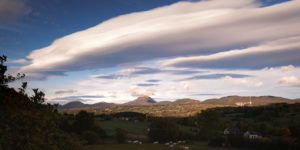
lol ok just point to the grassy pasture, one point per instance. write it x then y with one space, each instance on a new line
194 146
135 128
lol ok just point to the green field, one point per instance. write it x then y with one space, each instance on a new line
135 128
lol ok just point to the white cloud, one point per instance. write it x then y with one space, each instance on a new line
289 80
227 78
131 70
271 53
187 85
268 69
238 81
182 29
242 81
17 61
65 91
172 86
137 91
258 84
287 68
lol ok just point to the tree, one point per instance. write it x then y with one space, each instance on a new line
209 122
91 137
4 79
83 121
121 135
26 122
163 130
38 96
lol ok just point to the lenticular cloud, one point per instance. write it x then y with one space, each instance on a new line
181 29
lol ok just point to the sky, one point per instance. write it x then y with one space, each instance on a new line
117 50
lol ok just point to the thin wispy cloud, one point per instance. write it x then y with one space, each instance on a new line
140 71
107 76
65 91
17 61
217 76
275 53
82 98
153 80
147 84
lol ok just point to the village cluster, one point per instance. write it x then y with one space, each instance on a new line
170 144
250 134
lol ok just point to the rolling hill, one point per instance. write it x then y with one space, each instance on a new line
248 101
78 104
224 101
186 101
177 108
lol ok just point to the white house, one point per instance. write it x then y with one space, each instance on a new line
232 130
252 135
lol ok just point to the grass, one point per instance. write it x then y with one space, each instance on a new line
135 128
127 147
194 146
188 129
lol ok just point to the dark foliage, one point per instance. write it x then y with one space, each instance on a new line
162 129
130 115
121 135
209 123
26 122
217 141
85 121
91 137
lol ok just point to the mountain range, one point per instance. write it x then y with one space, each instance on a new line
78 104
225 101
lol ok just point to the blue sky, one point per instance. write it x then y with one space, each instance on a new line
97 50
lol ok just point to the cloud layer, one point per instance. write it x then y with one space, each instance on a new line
275 53
183 29
65 91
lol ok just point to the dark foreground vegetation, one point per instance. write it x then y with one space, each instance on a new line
28 123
